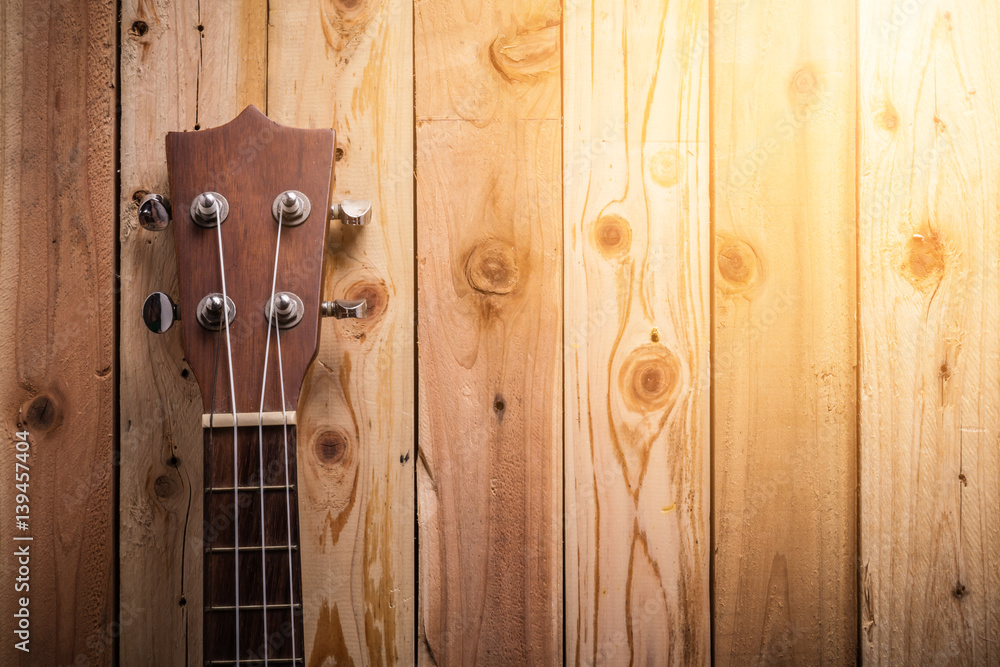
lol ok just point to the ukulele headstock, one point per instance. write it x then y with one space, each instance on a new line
247 175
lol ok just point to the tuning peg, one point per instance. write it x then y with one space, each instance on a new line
154 212
354 212
159 312
342 309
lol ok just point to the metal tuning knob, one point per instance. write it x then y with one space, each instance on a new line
159 312
208 208
354 212
341 309
291 207
154 212
211 311
288 310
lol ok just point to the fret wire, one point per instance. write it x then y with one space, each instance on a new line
257 661
246 489
232 397
267 547
256 607
288 502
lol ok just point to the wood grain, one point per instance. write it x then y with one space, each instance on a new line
174 76
489 257
348 65
930 475
783 369
636 200
57 325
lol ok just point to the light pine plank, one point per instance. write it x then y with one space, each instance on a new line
783 367
349 67
489 259
57 123
930 253
636 202
173 77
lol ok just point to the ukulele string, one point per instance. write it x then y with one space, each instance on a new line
232 396
288 502
211 444
260 426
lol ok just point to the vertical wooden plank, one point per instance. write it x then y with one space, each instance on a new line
57 327
930 251
784 419
636 167
184 65
349 66
489 258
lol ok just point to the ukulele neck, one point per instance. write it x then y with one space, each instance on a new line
261 560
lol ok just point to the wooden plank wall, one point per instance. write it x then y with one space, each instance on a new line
636 193
784 410
489 272
929 256
704 292
57 328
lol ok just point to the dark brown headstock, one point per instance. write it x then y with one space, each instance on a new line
250 162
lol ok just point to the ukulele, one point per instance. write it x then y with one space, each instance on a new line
250 207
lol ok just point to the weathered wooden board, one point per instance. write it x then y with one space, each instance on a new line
184 65
489 260
783 366
929 259
57 327
349 66
636 202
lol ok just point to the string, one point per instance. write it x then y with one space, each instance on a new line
211 441
232 396
288 502
284 428
260 426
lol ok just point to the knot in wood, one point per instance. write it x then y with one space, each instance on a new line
164 486
40 413
528 54
738 266
887 119
924 263
375 295
649 378
332 446
666 167
804 86
492 268
612 235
